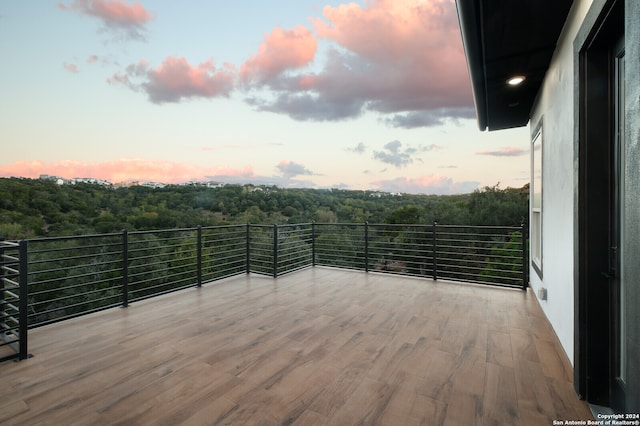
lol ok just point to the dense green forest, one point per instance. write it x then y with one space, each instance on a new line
108 267
31 208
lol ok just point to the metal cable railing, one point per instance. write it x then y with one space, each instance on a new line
13 300
161 262
294 245
341 245
71 276
224 252
486 255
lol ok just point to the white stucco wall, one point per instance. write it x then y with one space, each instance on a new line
555 107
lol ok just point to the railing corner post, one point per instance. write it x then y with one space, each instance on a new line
24 295
248 258
125 268
2 273
313 243
366 246
434 251
275 250
199 256
525 258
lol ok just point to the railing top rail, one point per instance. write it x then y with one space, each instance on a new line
73 237
281 226
241 226
514 228
9 243
295 225
162 231
420 225
339 224
159 231
252 225
402 225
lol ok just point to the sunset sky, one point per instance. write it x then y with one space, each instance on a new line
298 93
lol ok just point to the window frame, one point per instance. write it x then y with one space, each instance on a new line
536 197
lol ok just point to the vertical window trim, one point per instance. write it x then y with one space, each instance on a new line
536 206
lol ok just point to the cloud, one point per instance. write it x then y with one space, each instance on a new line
429 184
281 50
286 179
176 79
507 151
309 107
290 169
388 56
436 117
393 153
119 17
72 68
103 60
400 58
358 149
401 55
122 170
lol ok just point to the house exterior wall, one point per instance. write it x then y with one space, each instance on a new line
631 247
554 112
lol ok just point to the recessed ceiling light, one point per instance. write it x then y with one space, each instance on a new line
516 80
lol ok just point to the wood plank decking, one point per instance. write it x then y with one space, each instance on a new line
318 346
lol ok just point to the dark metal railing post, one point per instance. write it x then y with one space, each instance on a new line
275 250
24 295
434 251
199 256
366 246
1 275
248 260
125 268
313 243
525 258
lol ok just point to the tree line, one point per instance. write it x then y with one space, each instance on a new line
32 208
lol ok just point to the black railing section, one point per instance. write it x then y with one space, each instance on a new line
341 245
13 300
72 276
475 254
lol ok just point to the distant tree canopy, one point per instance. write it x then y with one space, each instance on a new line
35 208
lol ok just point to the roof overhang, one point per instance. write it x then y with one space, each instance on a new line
503 39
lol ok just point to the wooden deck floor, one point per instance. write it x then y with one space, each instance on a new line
319 346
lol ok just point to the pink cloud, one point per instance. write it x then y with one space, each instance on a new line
114 14
175 79
428 184
397 57
73 68
122 170
507 151
280 51
400 58
413 47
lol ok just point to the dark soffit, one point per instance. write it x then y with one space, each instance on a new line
504 38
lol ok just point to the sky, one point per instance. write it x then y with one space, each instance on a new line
370 95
